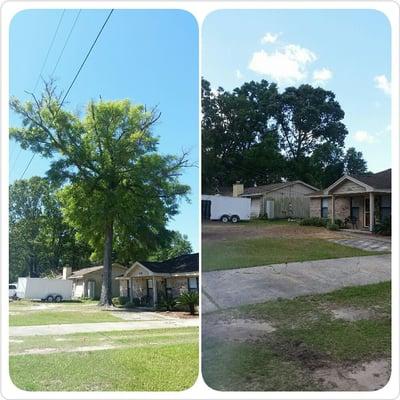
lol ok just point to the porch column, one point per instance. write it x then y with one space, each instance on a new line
154 291
371 211
131 289
333 209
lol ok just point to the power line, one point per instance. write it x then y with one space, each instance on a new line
75 77
86 57
42 69
66 42
49 49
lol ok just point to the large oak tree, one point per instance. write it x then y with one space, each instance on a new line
121 191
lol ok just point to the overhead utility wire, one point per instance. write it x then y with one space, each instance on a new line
49 49
76 76
66 42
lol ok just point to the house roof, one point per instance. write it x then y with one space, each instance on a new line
272 187
380 180
181 264
86 271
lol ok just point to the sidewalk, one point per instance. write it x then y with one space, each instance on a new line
66 329
232 288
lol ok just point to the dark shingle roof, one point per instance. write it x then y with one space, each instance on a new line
380 180
181 264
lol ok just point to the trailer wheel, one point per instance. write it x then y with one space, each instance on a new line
225 219
50 299
58 298
235 219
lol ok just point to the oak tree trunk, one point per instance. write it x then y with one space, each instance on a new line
106 287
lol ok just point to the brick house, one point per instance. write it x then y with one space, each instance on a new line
147 281
364 198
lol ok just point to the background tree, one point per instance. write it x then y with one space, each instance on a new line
239 136
178 245
307 118
40 241
354 163
118 183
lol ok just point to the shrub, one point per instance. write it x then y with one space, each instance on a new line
167 303
120 301
332 227
190 299
133 304
314 221
384 228
340 223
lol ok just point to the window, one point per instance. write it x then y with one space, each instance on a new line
12 287
193 284
324 207
149 283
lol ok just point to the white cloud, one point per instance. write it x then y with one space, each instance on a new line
270 38
322 75
364 137
287 64
239 75
383 83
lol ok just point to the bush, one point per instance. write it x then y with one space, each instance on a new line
133 304
314 221
190 299
120 301
340 223
384 228
332 227
167 303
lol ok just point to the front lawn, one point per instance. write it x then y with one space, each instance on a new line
29 318
307 337
219 255
155 360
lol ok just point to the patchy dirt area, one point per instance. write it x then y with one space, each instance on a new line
236 329
353 314
247 230
371 375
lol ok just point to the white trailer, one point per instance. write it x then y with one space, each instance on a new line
225 208
44 289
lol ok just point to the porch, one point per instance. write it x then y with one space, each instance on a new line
361 211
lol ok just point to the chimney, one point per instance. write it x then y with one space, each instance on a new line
238 189
67 272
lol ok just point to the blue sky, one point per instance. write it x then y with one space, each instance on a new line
149 57
346 51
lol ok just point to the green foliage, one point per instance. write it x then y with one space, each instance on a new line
190 299
383 228
176 245
120 301
314 221
40 241
167 303
340 223
354 162
332 227
254 134
120 192
136 302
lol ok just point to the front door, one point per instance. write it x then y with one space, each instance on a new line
366 212
149 284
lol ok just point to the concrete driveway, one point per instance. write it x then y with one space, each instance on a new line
232 288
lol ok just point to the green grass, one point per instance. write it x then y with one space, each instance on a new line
307 336
133 338
152 360
219 255
27 318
